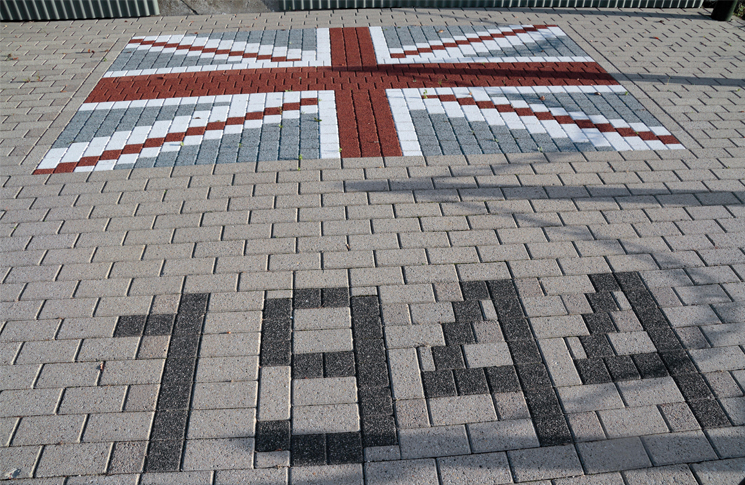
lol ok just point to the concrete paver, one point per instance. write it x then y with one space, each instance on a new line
380 246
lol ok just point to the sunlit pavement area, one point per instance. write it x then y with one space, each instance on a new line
374 246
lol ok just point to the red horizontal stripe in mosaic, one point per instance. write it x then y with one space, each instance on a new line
249 81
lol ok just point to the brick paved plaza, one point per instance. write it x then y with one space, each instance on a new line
374 246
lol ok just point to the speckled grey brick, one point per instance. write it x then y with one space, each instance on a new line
475 469
613 455
401 472
221 423
73 459
544 463
336 418
433 442
684 447
219 454
41 430
502 435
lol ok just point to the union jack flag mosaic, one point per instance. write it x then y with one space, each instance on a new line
350 92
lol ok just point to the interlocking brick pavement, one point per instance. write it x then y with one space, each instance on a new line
466 313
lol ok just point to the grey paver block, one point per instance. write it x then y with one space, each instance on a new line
276 280
596 479
558 326
128 457
31 402
487 354
334 340
544 463
461 409
18 376
183 478
72 328
401 472
153 347
131 372
679 416
237 321
412 413
433 442
8 352
413 336
613 455
723 384
543 306
118 427
429 313
591 397
585 426
673 474
19 460
725 334
729 442
221 423
411 293
220 369
511 405
68 375
142 397
487 332
47 351
274 393
219 454
41 430
349 474
559 362
215 395
683 447
716 472
108 349
502 435
268 476
561 285
490 468
7 425
719 359
735 409
691 315
230 344
632 421
382 453
235 302
397 314
650 391
404 369
626 343
331 390
429 274
335 418
322 318
73 459
272 459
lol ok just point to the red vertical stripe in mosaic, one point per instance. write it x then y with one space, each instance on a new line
338 56
352 47
347 121
367 50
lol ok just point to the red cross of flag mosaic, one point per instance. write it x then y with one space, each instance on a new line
350 92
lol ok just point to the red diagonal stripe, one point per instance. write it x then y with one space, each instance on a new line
564 120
